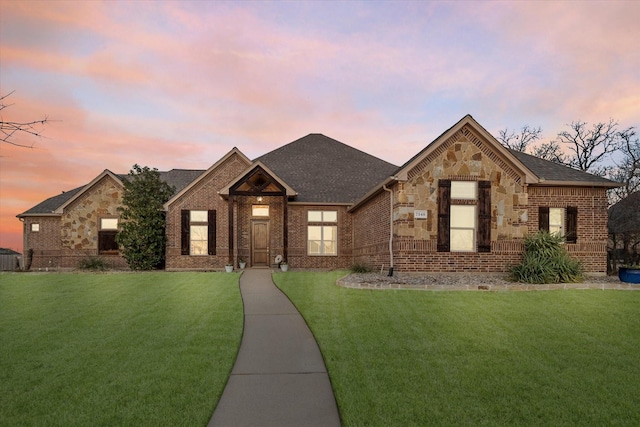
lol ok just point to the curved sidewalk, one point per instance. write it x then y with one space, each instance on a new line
279 378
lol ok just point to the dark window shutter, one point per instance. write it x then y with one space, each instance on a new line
211 245
484 216
571 225
543 218
184 232
444 212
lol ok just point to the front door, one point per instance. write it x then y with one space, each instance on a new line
260 243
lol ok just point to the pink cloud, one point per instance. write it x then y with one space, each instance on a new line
194 80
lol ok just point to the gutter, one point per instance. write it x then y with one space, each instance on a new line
384 187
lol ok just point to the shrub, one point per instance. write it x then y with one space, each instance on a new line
545 260
360 268
93 263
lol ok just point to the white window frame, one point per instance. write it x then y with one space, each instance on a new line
35 227
556 221
459 221
461 224
326 222
198 225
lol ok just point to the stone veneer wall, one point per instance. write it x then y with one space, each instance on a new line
204 196
80 223
464 156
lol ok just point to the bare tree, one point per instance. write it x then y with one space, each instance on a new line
9 129
589 147
519 141
550 151
627 171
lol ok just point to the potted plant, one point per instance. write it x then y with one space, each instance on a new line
629 273
228 268
284 266
242 263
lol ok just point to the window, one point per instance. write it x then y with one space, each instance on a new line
556 221
559 220
198 232
107 236
464 190
35 227
322 233
464 216
260 210
463 228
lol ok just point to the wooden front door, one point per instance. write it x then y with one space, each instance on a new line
260 243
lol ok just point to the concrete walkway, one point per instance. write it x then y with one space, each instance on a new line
279 378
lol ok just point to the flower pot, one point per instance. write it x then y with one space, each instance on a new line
228 268
243 264
284 267
629 274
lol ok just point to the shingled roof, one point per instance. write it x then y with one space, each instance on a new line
323 170
178 178
624 216
550 172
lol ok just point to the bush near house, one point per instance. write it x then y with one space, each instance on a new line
142 235
546 261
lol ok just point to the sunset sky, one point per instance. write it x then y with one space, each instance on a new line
178 84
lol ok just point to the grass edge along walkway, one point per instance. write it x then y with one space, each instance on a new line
466 358
116 349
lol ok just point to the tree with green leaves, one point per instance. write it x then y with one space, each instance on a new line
142 235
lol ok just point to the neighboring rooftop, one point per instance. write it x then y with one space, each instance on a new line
324 170
624 216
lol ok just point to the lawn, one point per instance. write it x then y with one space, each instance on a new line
116 349
403 357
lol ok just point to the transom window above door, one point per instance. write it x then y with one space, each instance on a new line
260 210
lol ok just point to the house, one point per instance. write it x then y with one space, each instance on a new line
463 203
10 260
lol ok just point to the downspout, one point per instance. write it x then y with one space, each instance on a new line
384 187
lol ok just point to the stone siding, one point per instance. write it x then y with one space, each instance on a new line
514 214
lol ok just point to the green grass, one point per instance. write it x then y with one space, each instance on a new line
474 358
116 349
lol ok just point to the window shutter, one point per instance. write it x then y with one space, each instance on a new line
444 211
484 216
571 225
211 245
543 218
184 232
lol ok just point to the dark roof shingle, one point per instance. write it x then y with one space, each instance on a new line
323 170
178 178
550 171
